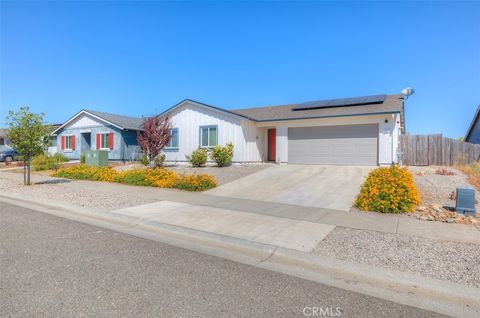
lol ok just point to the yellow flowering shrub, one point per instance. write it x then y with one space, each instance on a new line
162 178
136 177
157 177
84 172
196 182
389 189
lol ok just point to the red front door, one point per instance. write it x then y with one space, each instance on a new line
272 140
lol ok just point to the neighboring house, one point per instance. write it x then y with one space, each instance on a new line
51 145
90 129
4 141
473 133
351 131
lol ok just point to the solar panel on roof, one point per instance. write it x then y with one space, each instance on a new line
339 102
374 99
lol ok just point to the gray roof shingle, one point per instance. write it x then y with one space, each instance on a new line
126 122
391 104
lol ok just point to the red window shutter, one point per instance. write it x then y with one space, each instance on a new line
110 140
63 142
98 141
73 142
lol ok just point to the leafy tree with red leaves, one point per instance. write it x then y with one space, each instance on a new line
155 136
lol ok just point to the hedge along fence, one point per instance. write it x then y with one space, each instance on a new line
424 150
157 177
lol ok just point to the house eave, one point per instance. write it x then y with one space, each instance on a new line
205 106
83 111
472 124
328 116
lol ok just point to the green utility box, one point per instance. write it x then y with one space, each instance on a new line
96 157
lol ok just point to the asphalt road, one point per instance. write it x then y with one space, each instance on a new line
56 267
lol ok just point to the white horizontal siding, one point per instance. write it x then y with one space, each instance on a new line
189 117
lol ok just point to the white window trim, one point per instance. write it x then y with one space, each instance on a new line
200 133
178 141
104 133
68 149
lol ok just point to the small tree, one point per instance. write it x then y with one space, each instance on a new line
154 137
28 134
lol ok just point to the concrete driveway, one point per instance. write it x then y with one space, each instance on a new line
331 187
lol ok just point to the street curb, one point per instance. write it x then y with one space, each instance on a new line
404 288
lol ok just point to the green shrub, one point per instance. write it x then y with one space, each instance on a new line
198 158
136 177
82 158
389 189
159 160
196 182
222 155
144 160
60 157
43 162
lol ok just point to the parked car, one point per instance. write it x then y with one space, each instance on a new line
7 154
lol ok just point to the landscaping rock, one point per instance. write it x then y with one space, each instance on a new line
452 261
437 187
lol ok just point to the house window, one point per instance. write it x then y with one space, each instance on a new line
104 141
52 141
68 142
173 143
208 136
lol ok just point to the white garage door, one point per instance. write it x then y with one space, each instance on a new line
334 145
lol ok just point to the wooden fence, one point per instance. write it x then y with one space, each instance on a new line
424 150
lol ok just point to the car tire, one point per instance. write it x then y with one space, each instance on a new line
8 159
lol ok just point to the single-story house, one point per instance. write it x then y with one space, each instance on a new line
90 129
473 133
350 131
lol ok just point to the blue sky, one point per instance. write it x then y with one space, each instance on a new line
138 58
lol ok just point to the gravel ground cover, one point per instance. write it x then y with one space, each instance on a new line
456 262
224 174
436 189
65 191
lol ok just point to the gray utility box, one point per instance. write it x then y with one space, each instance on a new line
96 157
465 201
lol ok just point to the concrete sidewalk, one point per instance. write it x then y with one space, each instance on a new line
397 224
292 234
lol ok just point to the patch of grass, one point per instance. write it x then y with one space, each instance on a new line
473 172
